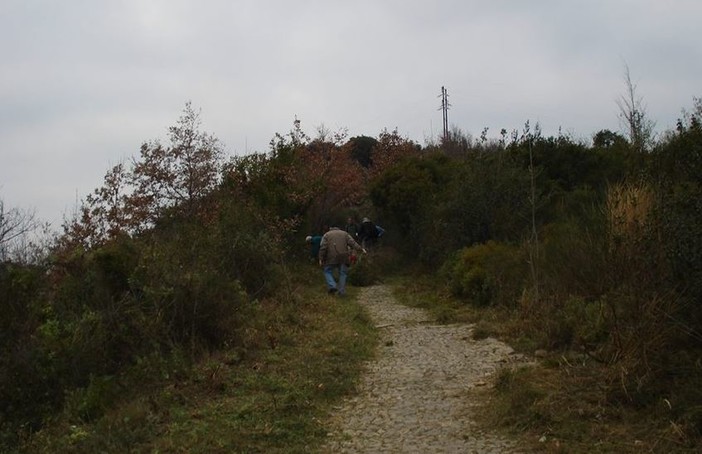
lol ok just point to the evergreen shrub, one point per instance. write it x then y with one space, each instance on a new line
486 274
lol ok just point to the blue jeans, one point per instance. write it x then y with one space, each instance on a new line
329 277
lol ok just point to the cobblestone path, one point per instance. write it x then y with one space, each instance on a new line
413 398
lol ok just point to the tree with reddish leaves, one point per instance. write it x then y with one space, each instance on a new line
302 178
173 180
389 149
103 213
336 179
179 176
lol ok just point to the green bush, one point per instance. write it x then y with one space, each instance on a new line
96 322
20 289
380 263
26 377
575 323
404 194
364 272
188 283
487 274
680 214
487 199
176 288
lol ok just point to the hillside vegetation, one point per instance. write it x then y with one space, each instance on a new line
183 261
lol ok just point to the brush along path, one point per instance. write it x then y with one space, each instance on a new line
414 397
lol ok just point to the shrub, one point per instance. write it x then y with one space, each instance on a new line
188 283
170 290
20 290
487 274
96 322
364 272
680 214
485 199
26 389
573 323
380 262
404 194
89 403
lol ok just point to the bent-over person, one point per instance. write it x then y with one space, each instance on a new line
334 255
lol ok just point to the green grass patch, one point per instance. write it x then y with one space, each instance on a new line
420 290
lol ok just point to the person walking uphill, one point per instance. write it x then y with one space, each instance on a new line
334 255
314 243
369 233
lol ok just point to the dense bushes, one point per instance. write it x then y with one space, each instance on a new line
21 289
25 372
486 200
405 193
76 334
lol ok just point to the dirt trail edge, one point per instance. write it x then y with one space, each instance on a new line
414 397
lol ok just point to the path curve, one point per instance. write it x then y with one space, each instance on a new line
414 396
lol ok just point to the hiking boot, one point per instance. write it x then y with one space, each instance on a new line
332 291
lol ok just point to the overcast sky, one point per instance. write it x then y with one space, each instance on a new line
84 83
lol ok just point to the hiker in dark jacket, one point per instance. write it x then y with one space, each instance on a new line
369 233
334 253
352 228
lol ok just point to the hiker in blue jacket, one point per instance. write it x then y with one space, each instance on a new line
314 241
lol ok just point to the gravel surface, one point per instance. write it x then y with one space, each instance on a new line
414 397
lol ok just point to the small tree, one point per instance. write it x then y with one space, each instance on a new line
161 180
390 148
632 113
361 149
179 175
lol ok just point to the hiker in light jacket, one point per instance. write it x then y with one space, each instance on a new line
334 254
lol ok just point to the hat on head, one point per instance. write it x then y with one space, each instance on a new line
308 239
366 220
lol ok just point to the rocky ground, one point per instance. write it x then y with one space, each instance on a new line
415 397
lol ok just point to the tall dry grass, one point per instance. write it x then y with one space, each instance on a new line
628 208
640 304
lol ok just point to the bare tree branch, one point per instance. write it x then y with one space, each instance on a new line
15 223
632 113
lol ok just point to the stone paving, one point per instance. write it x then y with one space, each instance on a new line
414 397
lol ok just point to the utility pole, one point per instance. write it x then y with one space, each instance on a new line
444 109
